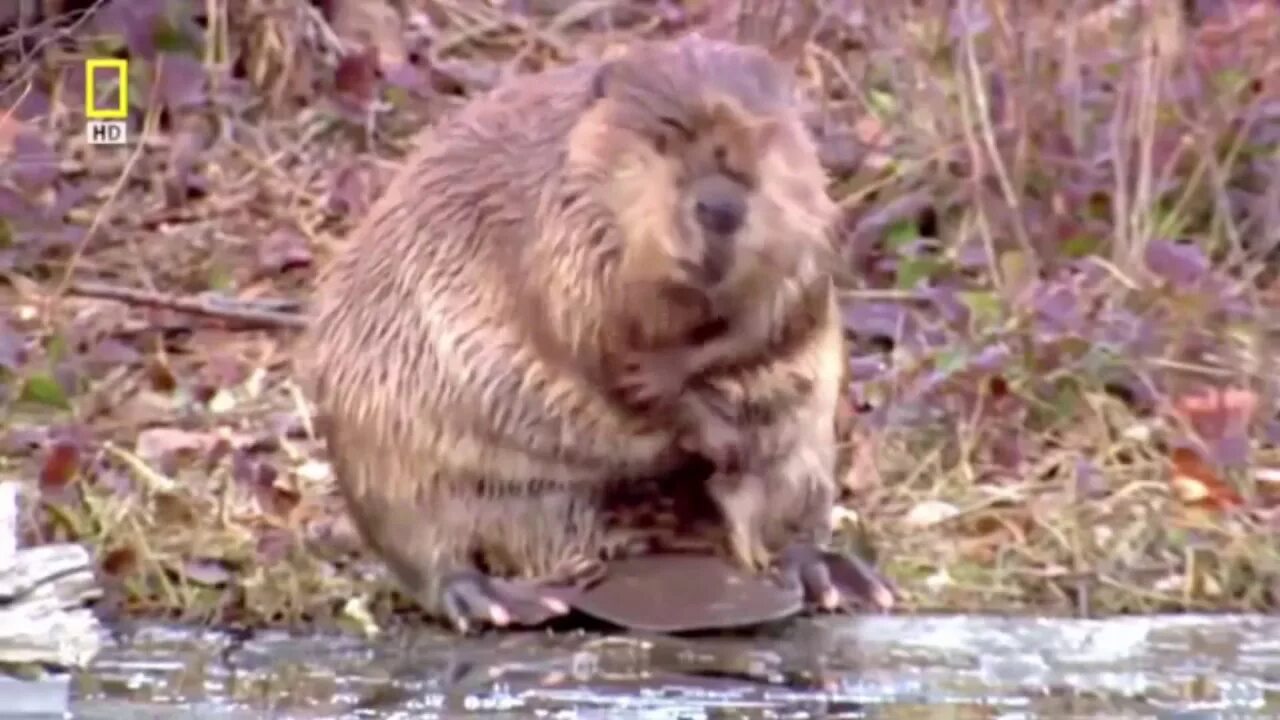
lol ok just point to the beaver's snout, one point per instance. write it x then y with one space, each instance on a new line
720 210
719 205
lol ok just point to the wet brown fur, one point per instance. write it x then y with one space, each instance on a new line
771 376
463 339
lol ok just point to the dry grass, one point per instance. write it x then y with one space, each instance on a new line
1032 341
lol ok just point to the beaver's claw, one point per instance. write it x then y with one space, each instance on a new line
652 379
471 597
833 580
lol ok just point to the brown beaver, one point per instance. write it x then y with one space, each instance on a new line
725 191
462 343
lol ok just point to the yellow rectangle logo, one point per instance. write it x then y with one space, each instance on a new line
119 112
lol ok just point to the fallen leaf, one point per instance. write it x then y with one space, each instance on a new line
1179 264
314 471
182 80
930 512
1267 482
10 127
356 77
208 572
283 250
939 581
12 347
161 376
1221 419
157 445
869 130
222 402
278 501
1170 584
60 466
172 509
844 519
111 352
376 27
119 561
273 546
1195 482
44 389
34 163
1090 482
22 441
351 190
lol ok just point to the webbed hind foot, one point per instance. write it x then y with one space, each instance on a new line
472 598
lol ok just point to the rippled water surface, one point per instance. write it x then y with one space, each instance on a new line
872 667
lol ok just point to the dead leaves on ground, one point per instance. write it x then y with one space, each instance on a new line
995 388
1217 453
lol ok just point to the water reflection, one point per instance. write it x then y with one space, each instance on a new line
874 667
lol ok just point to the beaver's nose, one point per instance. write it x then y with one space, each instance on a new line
719 209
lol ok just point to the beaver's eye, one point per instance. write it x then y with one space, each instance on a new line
676 127
671 131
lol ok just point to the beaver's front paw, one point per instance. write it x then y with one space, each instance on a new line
652 379
719 441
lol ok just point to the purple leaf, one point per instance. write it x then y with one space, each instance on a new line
12 347
992 358
182 80
15 206
53 237
1129 333
1178 263
949 305
1090 482
273 546
350 191
407 76
1058 306
1271 433
284 249
22 441
205 571
1231 450
34 162
971 256
111 352
935 338
876 319
32 106
672 14
135 21
68 197
866 367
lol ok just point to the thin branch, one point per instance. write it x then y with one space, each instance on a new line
242 313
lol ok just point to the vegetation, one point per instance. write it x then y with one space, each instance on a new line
1063 220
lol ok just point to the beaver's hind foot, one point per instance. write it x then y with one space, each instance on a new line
472 598
834 580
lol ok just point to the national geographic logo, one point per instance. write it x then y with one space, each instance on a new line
106 125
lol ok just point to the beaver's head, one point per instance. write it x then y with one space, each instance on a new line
698 149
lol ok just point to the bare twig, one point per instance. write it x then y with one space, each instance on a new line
253 317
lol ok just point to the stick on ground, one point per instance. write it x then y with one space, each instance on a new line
243 313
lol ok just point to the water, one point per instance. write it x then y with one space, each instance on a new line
873 667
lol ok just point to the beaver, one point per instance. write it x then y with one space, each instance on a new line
463 341
747 250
